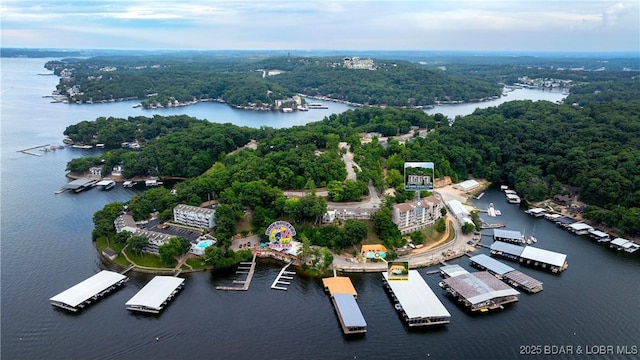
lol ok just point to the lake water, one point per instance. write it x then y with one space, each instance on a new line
46 248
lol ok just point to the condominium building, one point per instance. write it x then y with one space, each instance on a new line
416 215
194 216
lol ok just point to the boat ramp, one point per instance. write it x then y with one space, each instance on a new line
343 296
155 295
479 291
529 255
415 301
506 273
89 290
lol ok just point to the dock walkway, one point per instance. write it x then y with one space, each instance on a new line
247 268
284 274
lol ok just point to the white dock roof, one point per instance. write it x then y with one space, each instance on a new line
507 248
507 234
155 292
536 211
598 233
491 264
619 241
416 297
104 182
453 270
88 288
349 310
578 226
545 256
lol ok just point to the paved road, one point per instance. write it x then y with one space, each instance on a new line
347 158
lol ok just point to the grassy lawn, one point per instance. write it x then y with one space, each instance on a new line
372 237
198 263
245 224
148 260
102 243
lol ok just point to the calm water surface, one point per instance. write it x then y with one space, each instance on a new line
46 248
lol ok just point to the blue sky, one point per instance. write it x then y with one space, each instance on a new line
469 25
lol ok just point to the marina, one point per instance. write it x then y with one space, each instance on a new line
506 273
529 255
89 290
343 297
479 291
155 295
415 301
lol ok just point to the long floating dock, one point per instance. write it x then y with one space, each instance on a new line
28 152
243 268
415 300
89 290
506 273
529 255
284 274
343 296
154 296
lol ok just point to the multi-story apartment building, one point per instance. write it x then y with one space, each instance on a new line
194 216
416 215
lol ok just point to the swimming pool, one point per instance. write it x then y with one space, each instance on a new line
204 244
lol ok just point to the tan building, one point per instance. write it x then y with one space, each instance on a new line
416 215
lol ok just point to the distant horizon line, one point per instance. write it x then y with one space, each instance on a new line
631 52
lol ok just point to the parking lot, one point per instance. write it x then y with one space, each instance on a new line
173 230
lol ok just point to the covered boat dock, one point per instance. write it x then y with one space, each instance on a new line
91 289
510 236
506 273
343 296
79 185
529 255
601 236
537 212
580 228
564 221
415 300
452 270
484 262
479 291
624 244
153 297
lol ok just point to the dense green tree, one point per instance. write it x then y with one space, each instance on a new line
137 243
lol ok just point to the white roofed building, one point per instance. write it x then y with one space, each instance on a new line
467 185
461 213
194 216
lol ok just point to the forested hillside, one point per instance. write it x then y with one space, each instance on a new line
245 81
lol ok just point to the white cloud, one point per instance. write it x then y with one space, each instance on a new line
418 24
